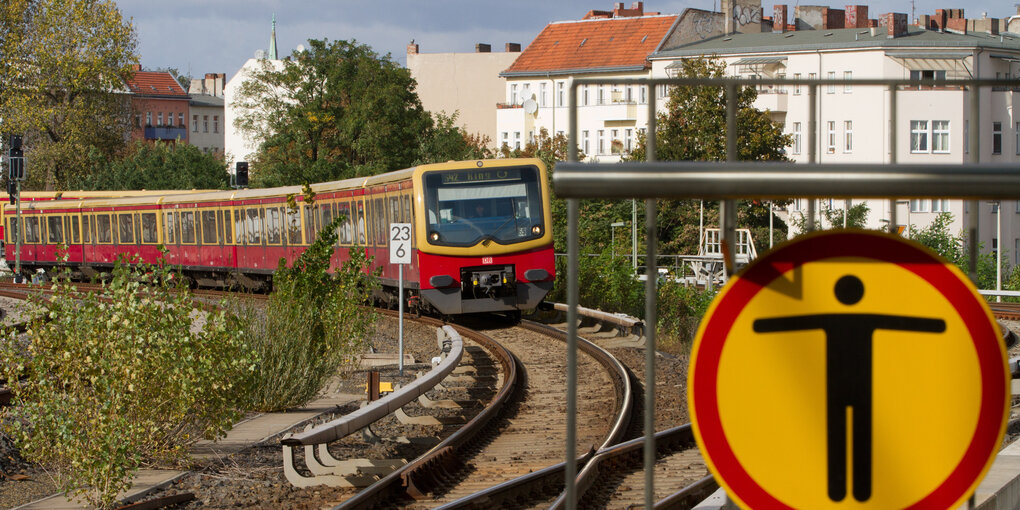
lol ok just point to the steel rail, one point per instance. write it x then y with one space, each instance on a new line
554 475
633 449
412 477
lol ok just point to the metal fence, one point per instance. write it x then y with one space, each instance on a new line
733 179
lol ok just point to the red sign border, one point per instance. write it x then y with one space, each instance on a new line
702 390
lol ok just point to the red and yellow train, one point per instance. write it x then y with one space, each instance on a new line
481 239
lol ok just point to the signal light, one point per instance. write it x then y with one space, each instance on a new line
241 174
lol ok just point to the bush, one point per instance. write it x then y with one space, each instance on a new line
114 378
311 328
680 309
606 283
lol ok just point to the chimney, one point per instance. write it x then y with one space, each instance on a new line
727 13
895 23
856 16
512 47
412 49
483 48
779 18
833 18
136 67
957 25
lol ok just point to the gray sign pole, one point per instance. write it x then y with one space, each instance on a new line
400 254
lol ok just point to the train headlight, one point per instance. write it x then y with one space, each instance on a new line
536 230
434 236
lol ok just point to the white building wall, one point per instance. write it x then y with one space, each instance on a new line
868 109
237 146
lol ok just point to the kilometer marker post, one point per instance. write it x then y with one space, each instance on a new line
400 254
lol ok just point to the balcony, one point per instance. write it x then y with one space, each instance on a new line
165 133
773 99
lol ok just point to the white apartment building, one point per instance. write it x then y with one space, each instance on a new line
853 122
606 44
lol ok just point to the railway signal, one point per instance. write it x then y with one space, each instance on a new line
841 332
400 254
241 174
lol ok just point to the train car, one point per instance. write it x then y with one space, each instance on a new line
480 232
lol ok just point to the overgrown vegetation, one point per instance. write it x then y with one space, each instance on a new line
312 327
107 380
156 166
680 309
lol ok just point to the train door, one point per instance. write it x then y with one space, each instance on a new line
225 222
292 232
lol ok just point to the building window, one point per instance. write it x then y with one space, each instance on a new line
996 138
832 86
615 145
628 142
918 206
630 95
148 119
796 86
541 94
796 137
584 96
831 136
644 95
940 136
506 139
1018 137
159 119
918 136
513 93
848 87
602 141
194 123
138 120
180 119
940 205
602 95
559 93
205 123
216 124
584 142
813 76
531 136
848 136
517 140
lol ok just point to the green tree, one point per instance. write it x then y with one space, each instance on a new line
693 128
63 62
953 248
445 142
856 217
333 111
156 166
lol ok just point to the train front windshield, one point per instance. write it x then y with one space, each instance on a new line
501 204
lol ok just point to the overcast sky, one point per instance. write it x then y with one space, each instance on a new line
218 36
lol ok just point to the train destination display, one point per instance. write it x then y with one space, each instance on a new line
849 368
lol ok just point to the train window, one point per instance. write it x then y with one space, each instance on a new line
32 229
89 223
380 221
169 228
309 224
138 227
407 215
395 216
126 230
75 229
55 227
227 237
253 226
345 233
104 230
149 228
187 227
239 225
293 226
67 229
273 225
361 223
327 215
209 227
464 207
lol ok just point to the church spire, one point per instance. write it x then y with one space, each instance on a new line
272 41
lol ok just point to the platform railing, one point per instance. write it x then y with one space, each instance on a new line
733 179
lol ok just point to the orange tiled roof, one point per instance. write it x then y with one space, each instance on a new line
155 83
594 44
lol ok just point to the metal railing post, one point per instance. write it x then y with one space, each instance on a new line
974 205
573 255
892 152
812 147
728 208
652 274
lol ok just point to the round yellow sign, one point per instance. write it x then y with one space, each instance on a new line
849 369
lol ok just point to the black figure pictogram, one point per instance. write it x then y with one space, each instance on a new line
848 360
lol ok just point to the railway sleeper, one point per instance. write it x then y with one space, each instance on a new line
427 474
